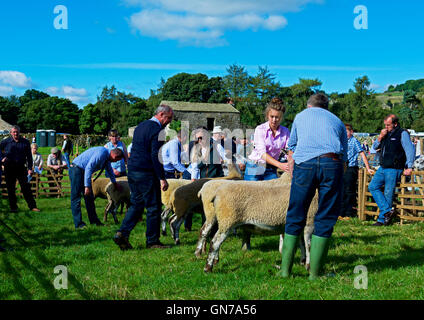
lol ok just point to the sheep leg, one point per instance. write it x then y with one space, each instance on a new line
280 245
170 220
164 220
307 235
245 246
113 212
107 209
175 223
216 243
203 234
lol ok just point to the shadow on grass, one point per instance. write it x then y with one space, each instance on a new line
406 257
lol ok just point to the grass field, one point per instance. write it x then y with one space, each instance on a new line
97 269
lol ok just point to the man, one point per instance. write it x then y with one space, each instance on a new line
67 149
82 168
119 168
1 174
17 161
146 178
397 156
318 150
171 157
57 163
350 177
213 169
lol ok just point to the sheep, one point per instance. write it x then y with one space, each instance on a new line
207 194
173 184
103 188
184 199
260 204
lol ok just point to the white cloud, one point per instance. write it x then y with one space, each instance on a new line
5 91
204 23
76 95
15 79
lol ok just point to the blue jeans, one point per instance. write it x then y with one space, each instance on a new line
326 175
255 172
388 178
66 156
145 193
76 175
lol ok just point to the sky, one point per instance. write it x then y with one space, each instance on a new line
73 48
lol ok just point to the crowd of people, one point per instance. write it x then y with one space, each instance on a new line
319 152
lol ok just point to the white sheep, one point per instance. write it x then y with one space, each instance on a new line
185 199
105 189
261 204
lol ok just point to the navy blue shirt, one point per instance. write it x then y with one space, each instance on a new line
145 148
18 153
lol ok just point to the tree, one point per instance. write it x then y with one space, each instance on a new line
236 82
90 122
10 109
49 113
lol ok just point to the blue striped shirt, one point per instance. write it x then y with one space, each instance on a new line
171 156
118 165
353 150
316 131
92 160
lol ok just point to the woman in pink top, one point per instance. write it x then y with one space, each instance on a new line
270 138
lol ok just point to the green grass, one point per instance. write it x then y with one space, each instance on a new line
97 269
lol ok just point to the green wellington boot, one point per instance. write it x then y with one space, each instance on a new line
319 250
290 245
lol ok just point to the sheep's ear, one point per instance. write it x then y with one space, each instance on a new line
280 173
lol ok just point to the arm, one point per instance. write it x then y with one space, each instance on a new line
156 147
409 149
175 159
29 158
367 165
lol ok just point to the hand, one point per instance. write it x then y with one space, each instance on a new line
242 166
164 185
4 160
87 191
382 134
30 172
407 172
116 172
370 171
284 166
118 187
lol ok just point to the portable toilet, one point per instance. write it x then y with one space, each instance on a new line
51 138
41 138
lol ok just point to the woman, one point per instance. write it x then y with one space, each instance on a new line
197 155
37 159
118 167
270 139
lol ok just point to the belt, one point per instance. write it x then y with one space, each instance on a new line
331 155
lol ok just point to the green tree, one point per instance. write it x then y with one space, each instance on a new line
10 109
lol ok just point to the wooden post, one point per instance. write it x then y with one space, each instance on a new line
360 194
402 199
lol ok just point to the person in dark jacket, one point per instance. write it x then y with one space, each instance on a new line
146 178
397 155
17 161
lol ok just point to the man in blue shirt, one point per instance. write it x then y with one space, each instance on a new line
350 177
318 148
80 174
397 156
146 179
171 157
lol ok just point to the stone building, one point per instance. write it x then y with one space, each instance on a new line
199 114
4 126
205 114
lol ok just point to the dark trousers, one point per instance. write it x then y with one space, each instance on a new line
169 175
76 175
350 185
326 175
15 172
145 193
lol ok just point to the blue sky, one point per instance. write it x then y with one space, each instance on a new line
133 43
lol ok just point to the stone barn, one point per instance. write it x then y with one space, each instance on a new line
208 115
4 126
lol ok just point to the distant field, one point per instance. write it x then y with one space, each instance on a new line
394 97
